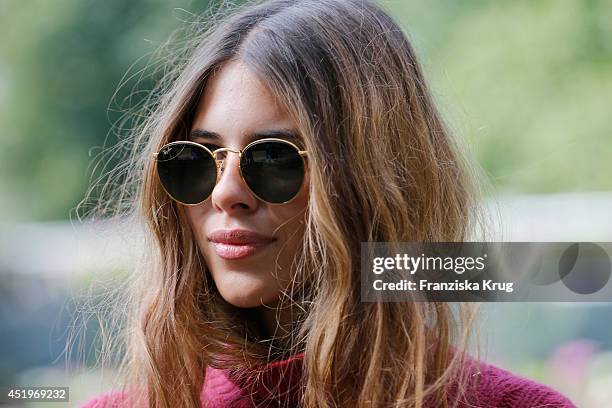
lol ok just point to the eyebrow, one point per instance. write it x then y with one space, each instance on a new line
286 134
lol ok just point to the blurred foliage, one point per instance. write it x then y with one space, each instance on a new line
528 84
60 65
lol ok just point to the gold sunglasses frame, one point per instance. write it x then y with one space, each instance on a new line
219 164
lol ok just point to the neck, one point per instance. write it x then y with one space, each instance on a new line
276 320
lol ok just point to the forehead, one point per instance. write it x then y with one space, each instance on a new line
236 103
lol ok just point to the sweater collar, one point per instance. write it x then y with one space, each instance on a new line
281 380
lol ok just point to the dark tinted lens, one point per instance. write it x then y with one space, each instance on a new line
273 170
187 172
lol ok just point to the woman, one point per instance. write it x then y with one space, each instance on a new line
294 131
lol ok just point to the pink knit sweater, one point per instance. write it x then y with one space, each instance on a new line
497 388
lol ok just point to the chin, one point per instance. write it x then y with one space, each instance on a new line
240 300
247 295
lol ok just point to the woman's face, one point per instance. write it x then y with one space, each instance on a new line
235 105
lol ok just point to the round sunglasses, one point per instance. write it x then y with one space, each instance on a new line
273 170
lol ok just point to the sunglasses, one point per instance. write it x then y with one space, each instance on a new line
273 170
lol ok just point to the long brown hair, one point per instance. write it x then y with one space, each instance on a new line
383 167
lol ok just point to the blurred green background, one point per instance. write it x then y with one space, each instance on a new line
527 85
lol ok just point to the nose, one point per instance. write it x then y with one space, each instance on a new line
231 194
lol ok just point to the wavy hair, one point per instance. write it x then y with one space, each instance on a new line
383 167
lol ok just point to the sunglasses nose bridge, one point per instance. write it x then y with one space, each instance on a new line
221 161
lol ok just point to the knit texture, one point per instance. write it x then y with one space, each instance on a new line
279 386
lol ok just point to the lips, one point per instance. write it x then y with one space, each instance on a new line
238 243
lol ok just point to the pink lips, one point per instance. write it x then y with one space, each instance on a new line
238 243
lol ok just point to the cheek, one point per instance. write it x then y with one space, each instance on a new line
192 219
291 215
291 221
196 218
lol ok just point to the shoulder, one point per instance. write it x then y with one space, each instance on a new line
501 388
115 399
